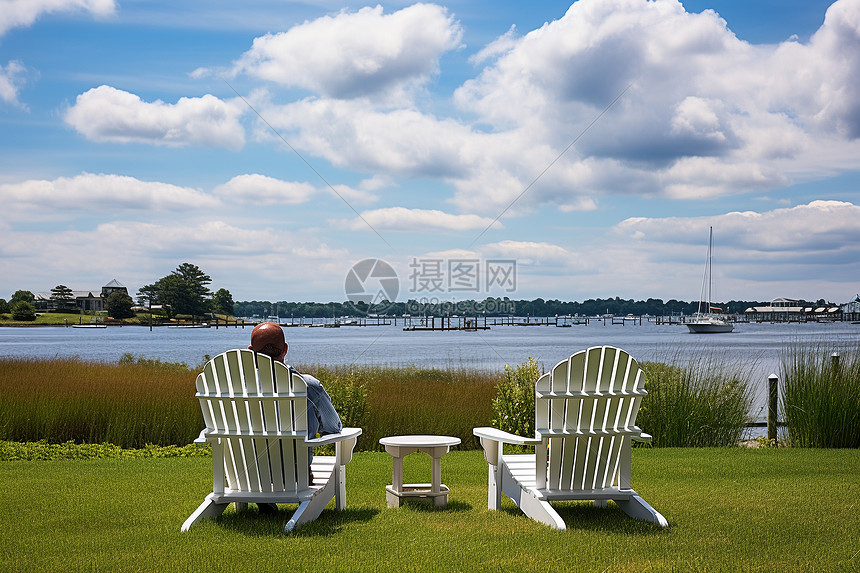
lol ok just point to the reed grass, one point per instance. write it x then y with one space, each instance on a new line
821 395
129 405
410 400
141 401
701 402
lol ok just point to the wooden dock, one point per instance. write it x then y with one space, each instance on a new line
432 323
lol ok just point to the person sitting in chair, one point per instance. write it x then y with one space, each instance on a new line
268 338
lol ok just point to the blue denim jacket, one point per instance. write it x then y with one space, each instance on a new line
322 417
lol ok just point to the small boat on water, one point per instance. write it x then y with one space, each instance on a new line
708 322
90 325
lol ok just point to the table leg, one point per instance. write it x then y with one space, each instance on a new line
397 474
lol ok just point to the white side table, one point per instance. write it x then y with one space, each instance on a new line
400 447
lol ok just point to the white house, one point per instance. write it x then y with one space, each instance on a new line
86 300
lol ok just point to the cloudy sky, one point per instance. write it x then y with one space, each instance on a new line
275 144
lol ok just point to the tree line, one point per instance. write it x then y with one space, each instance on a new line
492 307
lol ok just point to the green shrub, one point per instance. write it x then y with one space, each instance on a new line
821 395
23 311
43 451
514 403
348 391
703 403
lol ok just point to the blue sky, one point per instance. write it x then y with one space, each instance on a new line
276 144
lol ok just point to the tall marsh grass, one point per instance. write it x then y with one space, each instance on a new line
703 402
821 395
140 401
129 404
410 400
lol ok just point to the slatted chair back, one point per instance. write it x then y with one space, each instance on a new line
585 410
257 408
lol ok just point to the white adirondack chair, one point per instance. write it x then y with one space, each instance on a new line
255 410
585 419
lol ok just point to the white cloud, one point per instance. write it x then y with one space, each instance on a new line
246 261
350 134
821 79
352 195
106 114
803 232
757 256
200 73
354 54
579 204
89 192
263 190
808 251
497 47
532 253
11 80
420 220
14 13
705 115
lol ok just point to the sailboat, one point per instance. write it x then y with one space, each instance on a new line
708 322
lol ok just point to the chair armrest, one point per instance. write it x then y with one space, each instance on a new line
201 437
643 437
504 437
344 434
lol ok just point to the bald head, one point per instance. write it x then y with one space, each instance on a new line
268 338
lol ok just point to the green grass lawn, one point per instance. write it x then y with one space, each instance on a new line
730 509
67 318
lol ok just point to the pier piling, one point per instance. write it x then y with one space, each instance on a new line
772 406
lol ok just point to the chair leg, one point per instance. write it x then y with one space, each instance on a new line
638 508
494 491
541 511
207 510
340 487
311 509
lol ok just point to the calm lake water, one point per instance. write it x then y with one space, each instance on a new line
756 346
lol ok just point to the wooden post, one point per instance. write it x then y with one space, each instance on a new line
773 395
834 360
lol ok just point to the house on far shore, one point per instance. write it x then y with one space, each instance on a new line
789 310
83 299
112 287
853 306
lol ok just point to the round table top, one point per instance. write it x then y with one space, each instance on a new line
419 441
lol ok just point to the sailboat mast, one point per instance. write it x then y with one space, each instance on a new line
710 254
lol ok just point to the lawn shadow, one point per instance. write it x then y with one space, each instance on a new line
584 516
251 522
426 505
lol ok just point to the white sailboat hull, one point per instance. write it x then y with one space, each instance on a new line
709 325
